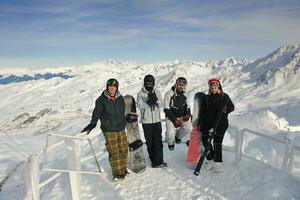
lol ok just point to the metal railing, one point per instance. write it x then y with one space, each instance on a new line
284 156
289 163
74 166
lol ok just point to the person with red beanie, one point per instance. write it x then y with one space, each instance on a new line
212 104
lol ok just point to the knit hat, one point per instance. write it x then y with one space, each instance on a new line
215 81
149 78
149 82
181 80
111 82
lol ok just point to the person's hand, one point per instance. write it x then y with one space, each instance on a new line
177 123
210 132
88 128
152 99
186 117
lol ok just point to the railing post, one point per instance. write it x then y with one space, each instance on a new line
239 145
287 158
73 152
33 177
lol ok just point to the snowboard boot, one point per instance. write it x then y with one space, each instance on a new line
209 164
177 140
118 178
171 147
164 164
187 143
218 167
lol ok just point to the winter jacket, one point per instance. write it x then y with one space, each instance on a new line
110 112
149 114
210 108
175 105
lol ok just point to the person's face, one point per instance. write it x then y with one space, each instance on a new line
149 84
214 89
180 87
112 89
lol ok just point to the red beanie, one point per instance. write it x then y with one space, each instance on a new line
213 81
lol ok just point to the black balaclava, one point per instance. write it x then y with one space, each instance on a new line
149 82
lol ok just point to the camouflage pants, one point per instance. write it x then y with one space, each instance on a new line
117 147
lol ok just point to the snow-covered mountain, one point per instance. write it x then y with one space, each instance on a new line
265 93
278 69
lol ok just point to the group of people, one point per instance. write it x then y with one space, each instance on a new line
110 109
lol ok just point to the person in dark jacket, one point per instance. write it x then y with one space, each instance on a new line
110 109
149 102
215 102
178 114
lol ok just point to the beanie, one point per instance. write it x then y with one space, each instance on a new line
214 81
112 81
149 78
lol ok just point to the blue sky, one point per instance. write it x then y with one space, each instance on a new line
36 33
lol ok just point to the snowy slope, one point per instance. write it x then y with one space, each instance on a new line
265 93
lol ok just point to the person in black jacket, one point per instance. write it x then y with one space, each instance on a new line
178 114
214 103
110 109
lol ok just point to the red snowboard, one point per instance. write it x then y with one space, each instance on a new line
193 150
195 139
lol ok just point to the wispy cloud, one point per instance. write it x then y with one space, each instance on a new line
166 29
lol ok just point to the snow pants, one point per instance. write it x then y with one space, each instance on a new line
186 128
152 133
216 149
117 147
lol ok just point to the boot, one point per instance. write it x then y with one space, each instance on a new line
218 167
171 147
209 165
177 140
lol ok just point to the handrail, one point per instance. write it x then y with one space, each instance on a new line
80 138
34 185
237 134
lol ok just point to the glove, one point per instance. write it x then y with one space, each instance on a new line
210 132
177 123
152 99
186 117
88 128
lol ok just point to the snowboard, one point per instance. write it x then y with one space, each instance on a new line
206 151
136 157
195 138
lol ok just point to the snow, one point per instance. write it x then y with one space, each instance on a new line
265 93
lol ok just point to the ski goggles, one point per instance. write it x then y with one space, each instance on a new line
112 82
181 81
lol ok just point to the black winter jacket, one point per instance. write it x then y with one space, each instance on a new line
111 113
210 108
